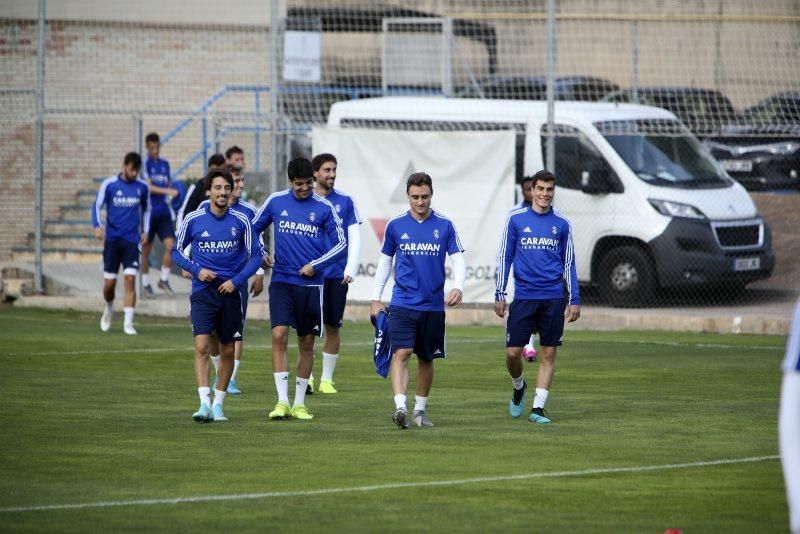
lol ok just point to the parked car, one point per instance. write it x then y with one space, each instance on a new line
761 147
703 111
580 88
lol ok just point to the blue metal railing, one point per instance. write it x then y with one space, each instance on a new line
206 144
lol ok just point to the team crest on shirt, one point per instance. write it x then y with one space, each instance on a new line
338 208
233 231
312 216
555 230
436 233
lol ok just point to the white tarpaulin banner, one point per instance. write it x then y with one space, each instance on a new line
473 185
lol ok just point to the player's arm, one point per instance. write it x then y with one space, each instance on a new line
353 250
97 222
573 310
505 257
335 233
455 295
146 208
253 249
179 255
381 277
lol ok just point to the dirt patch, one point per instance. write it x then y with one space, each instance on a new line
782 212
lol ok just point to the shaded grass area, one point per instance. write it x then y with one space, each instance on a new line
91 417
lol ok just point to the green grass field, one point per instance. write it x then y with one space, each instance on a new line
641 421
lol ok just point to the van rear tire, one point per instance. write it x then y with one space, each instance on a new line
627 278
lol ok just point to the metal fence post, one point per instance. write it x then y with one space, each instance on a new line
38 282
550 161
635 62
204 142
257 134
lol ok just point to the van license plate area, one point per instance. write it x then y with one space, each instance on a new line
747 264
737 165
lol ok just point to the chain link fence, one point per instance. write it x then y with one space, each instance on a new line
204 79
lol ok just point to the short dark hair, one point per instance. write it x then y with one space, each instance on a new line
419 179
132 158
300 168
232 168
217 172
525 179
216 160
543 176
233 150
152 137
321 159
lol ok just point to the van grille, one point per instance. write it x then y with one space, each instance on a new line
739 236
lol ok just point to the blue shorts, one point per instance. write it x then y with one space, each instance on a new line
528 316
299 307
118 252
161 225
422 331
334 299
212 311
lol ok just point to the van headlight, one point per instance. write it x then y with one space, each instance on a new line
676 209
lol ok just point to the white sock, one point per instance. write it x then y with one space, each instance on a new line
235 368
518 382
205 395
300 391
128 315
110 307
419 403
400 401
165 273
540 398
328 366
530 346
145 279
215 360
282 386
219 397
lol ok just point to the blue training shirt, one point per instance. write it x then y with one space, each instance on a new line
226 245
419 249
306 231
127 208
157 171
346 209
540 248
243 207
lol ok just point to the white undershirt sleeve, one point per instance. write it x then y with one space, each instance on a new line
353 249
381 276
459 270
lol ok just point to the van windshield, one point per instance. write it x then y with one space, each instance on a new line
663 153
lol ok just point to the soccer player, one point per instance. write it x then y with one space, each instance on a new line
308 236
789 421
537 240
225 253
340 273
236 203
526 188
155 172
235 156
127 203
419 241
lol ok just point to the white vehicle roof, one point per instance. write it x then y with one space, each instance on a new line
404 108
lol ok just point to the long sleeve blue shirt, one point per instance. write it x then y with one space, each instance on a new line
307 231
539 246
127 205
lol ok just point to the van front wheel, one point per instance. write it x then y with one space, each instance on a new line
627 277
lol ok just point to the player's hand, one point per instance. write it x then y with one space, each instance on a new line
375 307
258 286
100 233
346 280
186 274
268 262
226 287
454 298
500 308
572 313
173 192
307 270
144 239
206 275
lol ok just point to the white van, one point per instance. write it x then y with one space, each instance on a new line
649 206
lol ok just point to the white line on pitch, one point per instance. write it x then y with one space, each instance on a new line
379 487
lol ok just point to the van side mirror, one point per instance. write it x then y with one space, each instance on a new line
595 181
